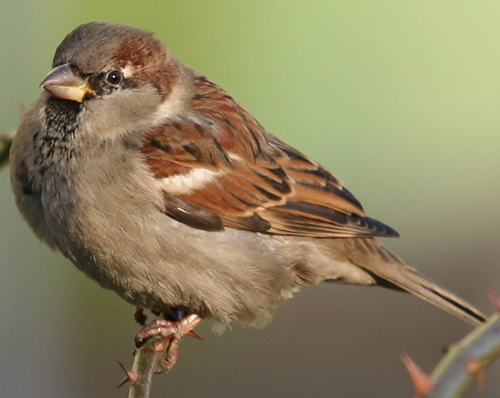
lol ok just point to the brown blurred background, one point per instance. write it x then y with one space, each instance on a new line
399 98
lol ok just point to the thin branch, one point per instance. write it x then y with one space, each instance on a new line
146 361
467 360
463 363
159 353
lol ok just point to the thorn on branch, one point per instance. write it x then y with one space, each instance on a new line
475 366
192 333
130 376
464 362
422 382
495 299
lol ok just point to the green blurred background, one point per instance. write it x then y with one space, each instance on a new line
399 98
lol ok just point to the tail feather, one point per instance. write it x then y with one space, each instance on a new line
392 270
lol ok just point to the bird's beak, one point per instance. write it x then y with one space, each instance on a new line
63 83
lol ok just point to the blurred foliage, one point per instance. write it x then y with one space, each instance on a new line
5 143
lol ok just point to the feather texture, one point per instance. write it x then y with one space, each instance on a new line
220 159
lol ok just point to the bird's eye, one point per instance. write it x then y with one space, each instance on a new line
114 77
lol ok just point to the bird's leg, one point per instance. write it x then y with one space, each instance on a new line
167 335
139 315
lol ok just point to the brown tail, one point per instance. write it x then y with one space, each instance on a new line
394 272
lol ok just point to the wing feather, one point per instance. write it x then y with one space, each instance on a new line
256 182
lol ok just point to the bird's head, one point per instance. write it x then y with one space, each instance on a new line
119 75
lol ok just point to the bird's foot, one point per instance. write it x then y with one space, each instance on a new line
167 336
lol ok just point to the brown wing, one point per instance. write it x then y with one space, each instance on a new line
219 168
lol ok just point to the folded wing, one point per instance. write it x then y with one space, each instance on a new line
219 168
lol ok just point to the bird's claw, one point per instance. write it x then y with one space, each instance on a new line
167 336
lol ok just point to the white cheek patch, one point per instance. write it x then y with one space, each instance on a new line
128 71
187 183
173 105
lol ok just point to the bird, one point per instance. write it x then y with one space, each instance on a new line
159 185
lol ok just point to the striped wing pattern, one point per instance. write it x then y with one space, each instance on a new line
219 168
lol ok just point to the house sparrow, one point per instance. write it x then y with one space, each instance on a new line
159 185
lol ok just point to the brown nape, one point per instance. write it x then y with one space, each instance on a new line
151 61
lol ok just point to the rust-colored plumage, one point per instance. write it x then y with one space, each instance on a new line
259 183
